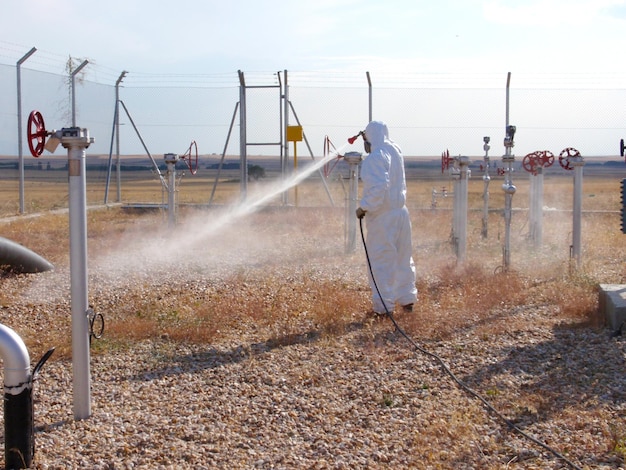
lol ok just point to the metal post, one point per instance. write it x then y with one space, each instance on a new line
509 189
462 208
486 180
74 73
353 159
455 173
577 162
369 87
243 147
284 133
170 160
76 140
118 170
19 124
536 206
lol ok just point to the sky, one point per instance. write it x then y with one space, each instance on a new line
537 37
544 44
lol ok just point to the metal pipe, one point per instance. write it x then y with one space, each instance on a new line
73 76
462 208
285 96
577 163
509 189
118 170
19 124
170 160
76 140
243 151
486 180
115 133
353 159
369 87
18 401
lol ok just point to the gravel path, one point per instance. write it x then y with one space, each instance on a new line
264 396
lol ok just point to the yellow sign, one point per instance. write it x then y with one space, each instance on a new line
294 133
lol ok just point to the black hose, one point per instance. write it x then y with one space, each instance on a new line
447 370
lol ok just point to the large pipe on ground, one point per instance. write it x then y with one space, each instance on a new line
17 258
19 446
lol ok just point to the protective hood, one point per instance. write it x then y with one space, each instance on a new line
375 133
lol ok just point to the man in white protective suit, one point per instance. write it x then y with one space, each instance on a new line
388 240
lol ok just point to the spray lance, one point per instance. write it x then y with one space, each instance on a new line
366 144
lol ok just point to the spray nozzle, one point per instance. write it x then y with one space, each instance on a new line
352 139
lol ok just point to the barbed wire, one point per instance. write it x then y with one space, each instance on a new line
48 61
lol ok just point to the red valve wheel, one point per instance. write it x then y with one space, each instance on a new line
36 133
191 157
547 158
328 149
565 155
445 160
530 162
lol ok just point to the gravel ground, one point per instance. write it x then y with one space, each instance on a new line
362 397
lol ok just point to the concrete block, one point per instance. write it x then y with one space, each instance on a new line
612 304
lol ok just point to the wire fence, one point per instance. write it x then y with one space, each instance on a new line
426 115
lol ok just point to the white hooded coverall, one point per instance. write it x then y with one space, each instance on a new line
388 224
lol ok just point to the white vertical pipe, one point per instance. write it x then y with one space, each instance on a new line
538 240
76 141
353 195
284 133
532 179
456 191
486 180
462 224
578 164
170 160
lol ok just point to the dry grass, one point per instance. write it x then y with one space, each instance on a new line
451 297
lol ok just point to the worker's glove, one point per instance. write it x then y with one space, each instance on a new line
360 213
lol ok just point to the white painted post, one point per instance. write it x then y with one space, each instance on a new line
577 162
486 179
76 140
170 160
462 208
353 159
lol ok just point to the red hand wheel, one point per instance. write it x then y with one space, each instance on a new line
36 133
547 158
530 162
445 161
565 155
190 159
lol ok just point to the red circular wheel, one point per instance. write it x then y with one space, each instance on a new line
191 157
547 158
36 133
530 162
565 155
445 161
